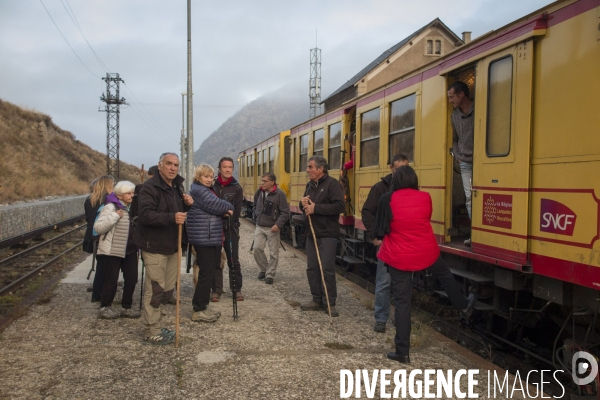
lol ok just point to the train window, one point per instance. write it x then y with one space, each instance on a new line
499 107
303 152
265 161
248 166
252 165
242 170
295 152
286 153
402 127
272 159
318 143
335 145
369 140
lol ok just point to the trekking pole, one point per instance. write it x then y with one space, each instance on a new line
95 247
252 246
178 286
231 272
142 284
321 268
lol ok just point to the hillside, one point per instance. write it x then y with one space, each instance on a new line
264 117
38 159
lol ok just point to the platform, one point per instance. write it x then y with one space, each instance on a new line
62 350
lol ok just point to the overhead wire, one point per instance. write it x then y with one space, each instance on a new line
65 39
76 22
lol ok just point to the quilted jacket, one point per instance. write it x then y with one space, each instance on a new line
204 220
113 230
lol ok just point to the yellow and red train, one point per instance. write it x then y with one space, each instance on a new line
536 170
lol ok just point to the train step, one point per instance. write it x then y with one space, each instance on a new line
350 260
478 304
472 276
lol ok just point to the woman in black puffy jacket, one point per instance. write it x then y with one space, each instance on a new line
205 232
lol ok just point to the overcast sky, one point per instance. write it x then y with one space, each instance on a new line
241 50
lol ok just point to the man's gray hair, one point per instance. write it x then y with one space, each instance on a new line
271 176
320 161
163 155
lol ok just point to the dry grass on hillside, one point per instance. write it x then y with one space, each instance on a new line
39 159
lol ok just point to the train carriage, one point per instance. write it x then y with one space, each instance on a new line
535 187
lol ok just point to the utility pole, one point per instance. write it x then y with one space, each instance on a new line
113 101
190 109
314 84
183 141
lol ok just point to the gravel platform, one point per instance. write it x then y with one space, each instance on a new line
61 350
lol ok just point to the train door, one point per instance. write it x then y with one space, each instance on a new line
501 161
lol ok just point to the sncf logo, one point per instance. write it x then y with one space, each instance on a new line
557 218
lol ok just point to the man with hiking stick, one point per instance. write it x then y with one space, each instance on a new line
162 207
323 201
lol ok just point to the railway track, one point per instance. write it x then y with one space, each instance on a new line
32 267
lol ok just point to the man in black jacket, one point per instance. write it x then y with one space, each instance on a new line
161 208
228 188
369 210
270 213
323 201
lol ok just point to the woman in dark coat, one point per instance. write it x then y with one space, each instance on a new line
100 188
403 223
205 232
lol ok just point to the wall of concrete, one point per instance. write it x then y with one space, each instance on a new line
20 218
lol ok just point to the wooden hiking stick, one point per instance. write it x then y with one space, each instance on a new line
320 267
178 286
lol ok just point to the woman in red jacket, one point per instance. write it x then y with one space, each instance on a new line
403 223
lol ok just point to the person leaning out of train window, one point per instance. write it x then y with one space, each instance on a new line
323 201
205 233
369 210
118 251
270 213
100 188
403 225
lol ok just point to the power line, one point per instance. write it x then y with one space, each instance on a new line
63 36
148 112
152 127
76 23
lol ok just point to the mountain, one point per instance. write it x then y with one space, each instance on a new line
262 118
39 159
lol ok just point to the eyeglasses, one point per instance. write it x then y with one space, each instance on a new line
264 181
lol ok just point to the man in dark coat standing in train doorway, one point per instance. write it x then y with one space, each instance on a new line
162 207
228 188
323 201
462 136
369 210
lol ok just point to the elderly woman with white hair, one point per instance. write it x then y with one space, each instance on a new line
117 251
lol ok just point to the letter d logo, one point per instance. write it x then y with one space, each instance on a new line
579 367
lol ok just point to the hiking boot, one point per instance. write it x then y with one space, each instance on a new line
159 339
269 281
397 357
167 332
312 306
261 275
130 313
213 312
204 316
172 300
90 289
215 297
108 313
379 327
334 312
467 242
239 296
468 310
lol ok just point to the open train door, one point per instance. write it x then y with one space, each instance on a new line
501 154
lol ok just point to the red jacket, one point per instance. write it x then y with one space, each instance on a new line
410 245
